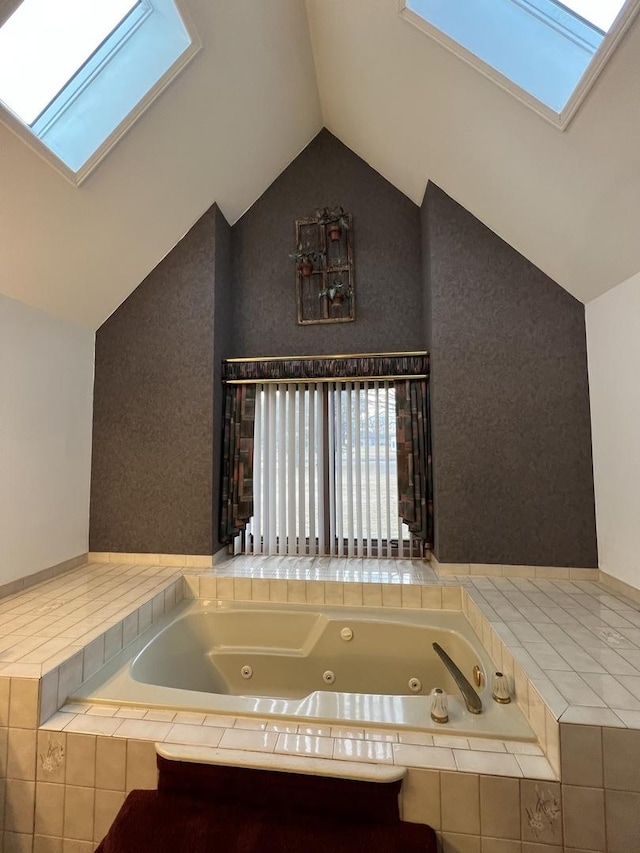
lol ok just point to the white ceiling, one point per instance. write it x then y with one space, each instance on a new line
252 99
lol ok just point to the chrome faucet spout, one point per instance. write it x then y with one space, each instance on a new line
471 698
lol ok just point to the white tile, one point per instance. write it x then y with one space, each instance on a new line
417 738
189 718
131 713
48 695
277 590
522 747
584 715
142 729
546 657
611 691
250 724
219 720
451 741
386 736
315 592
431 598
57 722
334 592
259 589
372 595
281 728
69 676
76 707
102 710
353 594
391 595
486 744
411 755
614 663
197 735
160 716
296 591
338 731
553 699
92 725
350 749
575 690
22 670
319 731
631 719
535 767
632 684
320 747
247 739
491 763
44 652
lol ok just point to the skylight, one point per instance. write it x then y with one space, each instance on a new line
600 13
44 44
545 52
75 74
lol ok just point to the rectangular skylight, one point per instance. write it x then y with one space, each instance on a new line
600 13
76 74
547 53
44 44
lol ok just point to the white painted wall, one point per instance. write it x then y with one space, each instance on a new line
613 343
46 395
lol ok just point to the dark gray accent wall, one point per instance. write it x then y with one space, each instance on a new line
153 445
222 292
511 431
222 346
510 401
386 231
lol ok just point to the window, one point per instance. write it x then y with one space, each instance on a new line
75 75
544 52
325 472
40 52
600 13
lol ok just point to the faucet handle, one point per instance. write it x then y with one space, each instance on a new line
439 709
500 688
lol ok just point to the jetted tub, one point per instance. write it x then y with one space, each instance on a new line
306 662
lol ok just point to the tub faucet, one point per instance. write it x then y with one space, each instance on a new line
471 698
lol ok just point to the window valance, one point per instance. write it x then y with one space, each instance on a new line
370 366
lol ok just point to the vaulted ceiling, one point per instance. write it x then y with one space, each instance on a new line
269 77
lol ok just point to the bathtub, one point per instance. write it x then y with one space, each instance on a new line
364 666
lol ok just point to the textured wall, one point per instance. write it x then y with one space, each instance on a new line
222 292
511 428
512 444
386 230
151 488
222 339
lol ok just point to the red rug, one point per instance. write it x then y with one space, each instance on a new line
200 808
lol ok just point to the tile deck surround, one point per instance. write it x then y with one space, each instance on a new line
575 642
571 648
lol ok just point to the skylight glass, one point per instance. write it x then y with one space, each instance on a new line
43 45
545 52
600 13
76 74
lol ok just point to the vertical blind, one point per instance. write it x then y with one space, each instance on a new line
325 471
